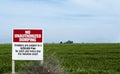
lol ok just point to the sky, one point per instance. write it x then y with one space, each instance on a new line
88 21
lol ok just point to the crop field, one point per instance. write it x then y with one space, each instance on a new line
74 58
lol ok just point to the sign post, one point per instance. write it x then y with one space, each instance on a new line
27 45
13 67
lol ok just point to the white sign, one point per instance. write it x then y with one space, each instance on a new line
27 44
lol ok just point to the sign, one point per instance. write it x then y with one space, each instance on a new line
27 44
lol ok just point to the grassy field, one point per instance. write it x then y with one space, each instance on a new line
74 58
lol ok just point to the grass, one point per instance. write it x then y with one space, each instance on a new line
74 58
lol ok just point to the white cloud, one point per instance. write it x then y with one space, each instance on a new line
40 9
87 4
103 7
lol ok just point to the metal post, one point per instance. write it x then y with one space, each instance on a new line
13 66
41 62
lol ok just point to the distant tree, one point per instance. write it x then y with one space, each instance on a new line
61 42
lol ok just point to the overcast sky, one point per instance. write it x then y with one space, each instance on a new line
78 20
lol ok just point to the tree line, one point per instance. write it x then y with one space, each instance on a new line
67 42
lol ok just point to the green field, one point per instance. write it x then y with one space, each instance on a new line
74 58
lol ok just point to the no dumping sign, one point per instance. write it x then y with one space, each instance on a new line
27 44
